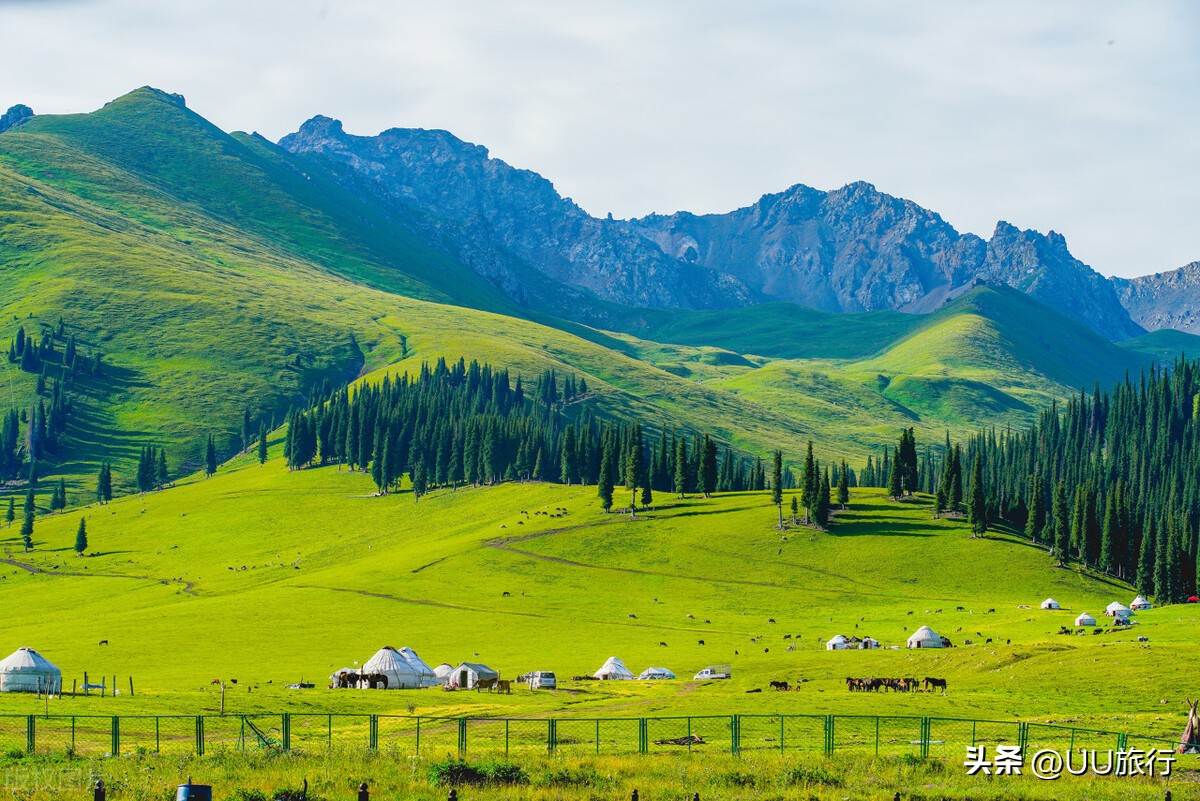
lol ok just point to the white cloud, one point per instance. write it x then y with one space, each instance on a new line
1076 116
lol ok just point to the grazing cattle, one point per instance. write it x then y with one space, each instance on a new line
766 650
1008 642
505 594
708 621
910 613
935 683
780 685
104 642
699 642
990 611
691 616
791 647
1143 639
988 641
959 609
937 611
233 681
663 644
633 616
770 620
967 642
215 681
787 636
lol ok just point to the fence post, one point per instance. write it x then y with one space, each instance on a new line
926 733
116 735
462 736
643 736
551 736
199 735
29 735
828 735
418 742
374 735
363 793
286 727
99 793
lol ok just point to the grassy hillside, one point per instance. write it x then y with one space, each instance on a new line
269 576
216 272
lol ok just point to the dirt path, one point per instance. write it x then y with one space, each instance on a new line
189 587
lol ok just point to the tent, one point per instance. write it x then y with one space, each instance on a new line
613 668
1139 603
428 677
391 663
1085 620
1194 599
468 674
656 673
1050 603
27 671
836 643
868 643
443 672
924 637
1116 609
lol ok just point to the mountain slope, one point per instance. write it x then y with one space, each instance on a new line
1164 300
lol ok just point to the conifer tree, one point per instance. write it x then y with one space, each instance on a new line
977 507
604 484
161 474
1108 534
956 483
843 486
1061 524
681 468
795 510
821 512
777 484
896 481
708 471
1162 567
809 484
210 457
1037 510
262 442
1145 570
81 540
635 467
27 525
11 514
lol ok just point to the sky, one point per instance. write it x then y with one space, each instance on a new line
1078 117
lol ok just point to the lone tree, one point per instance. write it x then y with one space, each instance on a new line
635 467
81 543
777 485
262 443
11 514
27 526
210 457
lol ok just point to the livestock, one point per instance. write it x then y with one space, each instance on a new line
935 683
780 685
104 642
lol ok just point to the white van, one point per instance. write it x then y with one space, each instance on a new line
542 680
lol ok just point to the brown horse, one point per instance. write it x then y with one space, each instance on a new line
485 684
503 686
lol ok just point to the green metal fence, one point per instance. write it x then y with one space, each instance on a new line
96 735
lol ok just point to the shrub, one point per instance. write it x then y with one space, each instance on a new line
453 772
242 794
803 776
565 777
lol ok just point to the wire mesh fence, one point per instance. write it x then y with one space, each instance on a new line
884 736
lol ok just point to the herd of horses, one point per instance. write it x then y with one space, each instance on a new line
360 681
503 686
901 685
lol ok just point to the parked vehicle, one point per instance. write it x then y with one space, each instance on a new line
714 672
542 680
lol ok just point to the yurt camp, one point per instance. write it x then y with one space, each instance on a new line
1085 620
27 671
391 664
613 669
1117 609
924 637
1139 603
836 643
468 674
1050 603
443 672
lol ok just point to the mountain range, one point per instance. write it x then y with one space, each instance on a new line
219 273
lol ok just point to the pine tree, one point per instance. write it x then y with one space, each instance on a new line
809 484
681 468
1108 534
1037 510
246 430
956 484
210 457
635 467
11 514
777 484
977 507
1145 569
821 512
604 484
896 481
708 468
1162 568
262 442
843 486
647 495
60 496
81 541
1061 524
27 525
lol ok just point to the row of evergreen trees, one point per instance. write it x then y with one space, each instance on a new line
469 424
26 436
35 356
1111 480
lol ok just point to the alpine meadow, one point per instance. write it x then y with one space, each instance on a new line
799 501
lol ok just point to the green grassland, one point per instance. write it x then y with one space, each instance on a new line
273 576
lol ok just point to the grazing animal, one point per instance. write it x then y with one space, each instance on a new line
233 681
690 616
1008 642
791 647
663 644
1143 639
215 681
935 683
699 642
990 611
503 686
633 616
766 650
910 613
485 684
755 690
966 642
104 642
780 685
708 621
959 609
787 636
505 594
770 620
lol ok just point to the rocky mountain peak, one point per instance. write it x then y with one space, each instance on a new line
15 115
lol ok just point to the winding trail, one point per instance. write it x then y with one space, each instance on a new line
189 587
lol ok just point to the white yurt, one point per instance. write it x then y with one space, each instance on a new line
1085 620
443 672
836 643
1050 603
27 671
869 643
1139 603
468 674
390 663
613 669
428 677
655 673
1116 609
924 637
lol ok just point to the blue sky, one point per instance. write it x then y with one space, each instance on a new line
1079 117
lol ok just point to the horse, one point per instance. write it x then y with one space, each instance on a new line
935 683
503 686
780 685
485 684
